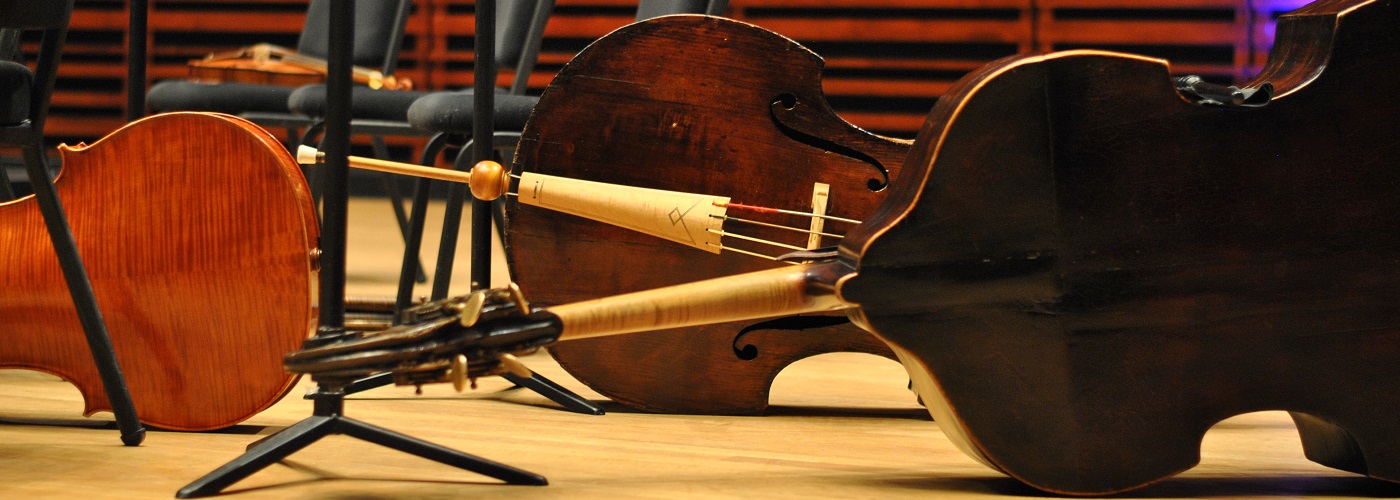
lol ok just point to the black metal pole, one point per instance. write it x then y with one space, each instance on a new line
483 129
80 289
136 60
336 144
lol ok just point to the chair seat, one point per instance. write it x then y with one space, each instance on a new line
16 85
452 111
231 98
365 103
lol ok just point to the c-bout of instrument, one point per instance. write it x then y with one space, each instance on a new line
701 105
198 233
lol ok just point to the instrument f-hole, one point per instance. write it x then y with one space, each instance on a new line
794 121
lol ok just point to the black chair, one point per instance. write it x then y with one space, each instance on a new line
24 104
379 33
449 115
452 114
520 30
518 35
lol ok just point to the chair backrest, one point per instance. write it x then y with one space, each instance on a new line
35 14
52 17
519 33
520 29
379 30
647 9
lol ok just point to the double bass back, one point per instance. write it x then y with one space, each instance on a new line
1089 271
198 233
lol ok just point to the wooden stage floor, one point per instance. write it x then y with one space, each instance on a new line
842 426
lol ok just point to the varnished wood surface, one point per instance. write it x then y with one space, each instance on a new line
1136 268
842 426
185 267
736 112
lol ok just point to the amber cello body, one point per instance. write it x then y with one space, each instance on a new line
198 233
698 105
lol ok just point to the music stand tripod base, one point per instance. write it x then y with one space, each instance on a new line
535 382
328 419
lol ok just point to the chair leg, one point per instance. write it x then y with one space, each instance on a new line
417 220
80 288
391 188
457 197
7 190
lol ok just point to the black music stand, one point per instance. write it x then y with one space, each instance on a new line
329 398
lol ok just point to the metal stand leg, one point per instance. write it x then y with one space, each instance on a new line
547 388
328 419
83 299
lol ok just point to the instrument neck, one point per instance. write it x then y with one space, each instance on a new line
806 288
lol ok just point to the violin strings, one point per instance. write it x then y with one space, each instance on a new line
756 240
752 254
776 226
753 208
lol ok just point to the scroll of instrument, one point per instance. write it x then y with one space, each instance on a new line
273 65
1084 269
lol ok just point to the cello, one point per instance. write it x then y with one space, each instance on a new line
697 105
1082 269
199 236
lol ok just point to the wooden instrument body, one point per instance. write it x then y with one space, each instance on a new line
267 64
686 103
250 70
197 231
1093 271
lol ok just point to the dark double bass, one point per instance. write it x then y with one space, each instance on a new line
1083 270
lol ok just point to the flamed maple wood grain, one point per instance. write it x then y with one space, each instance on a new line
197 232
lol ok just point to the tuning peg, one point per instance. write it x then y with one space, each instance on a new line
515 367
519 298
457 373
470 311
